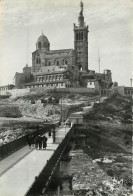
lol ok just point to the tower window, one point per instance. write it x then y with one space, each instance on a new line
57 63
39 45
65 62
76 36
44 44
81 35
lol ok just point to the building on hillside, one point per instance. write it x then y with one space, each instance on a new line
99 81
4 89
64 68
76 117
24 77
122 90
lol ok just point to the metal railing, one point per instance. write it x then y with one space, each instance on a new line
14 145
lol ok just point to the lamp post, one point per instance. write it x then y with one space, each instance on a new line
131 81
61 108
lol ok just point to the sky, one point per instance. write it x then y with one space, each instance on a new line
110 31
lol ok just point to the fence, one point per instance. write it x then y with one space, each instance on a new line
42 182
12 146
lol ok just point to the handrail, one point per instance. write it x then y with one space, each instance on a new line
14 145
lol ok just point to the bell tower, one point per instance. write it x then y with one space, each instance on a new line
81 41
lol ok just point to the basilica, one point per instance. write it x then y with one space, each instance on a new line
67 68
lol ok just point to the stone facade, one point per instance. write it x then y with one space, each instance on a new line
41 58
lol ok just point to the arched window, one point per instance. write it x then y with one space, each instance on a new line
36 60
57 62
48 63
65 62
81 35
39 61
39 45
76 36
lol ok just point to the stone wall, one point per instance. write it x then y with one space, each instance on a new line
18 92
76 90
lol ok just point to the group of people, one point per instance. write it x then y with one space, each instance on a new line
40 142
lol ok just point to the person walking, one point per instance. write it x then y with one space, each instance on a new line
36 142
40 142
32 140
44 142
29 141
49 133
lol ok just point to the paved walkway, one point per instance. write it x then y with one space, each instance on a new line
19 170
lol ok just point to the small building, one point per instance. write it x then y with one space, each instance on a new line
122 90
76 117
4 89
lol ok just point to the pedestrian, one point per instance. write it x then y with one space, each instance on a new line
40 142
29 141
36 142
49 133
53 135
32 140
44 142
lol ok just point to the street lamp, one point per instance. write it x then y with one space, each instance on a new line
61 108
131 81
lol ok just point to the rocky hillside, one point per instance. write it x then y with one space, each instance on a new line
115 108
104 164
8 110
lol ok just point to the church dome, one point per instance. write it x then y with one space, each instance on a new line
43 38
43 43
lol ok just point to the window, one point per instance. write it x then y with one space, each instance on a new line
57 63
48 63
36 60
39 61
39 45
66 62
77 36
81 35
44 45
